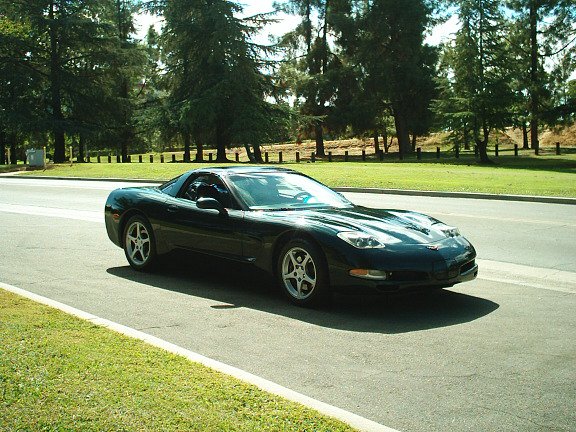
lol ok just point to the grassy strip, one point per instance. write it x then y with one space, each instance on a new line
544 176
61 373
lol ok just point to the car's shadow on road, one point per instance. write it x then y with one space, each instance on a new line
232 285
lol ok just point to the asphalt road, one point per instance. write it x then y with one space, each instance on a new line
498 353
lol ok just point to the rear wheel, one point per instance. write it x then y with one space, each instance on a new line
302 273
139 244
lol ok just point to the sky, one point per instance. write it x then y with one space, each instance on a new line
287 23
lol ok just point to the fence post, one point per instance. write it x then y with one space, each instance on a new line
437 152
173 157
118 160
266 158
209 157
457 149
88 158
129 158
161 158
237 157
346 156
151 158
419 153
279 157
109 158
363 155
515 149
99 159
329 156
558 148
297 157
313 157
496 150
381 155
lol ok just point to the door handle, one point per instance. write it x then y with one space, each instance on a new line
172 208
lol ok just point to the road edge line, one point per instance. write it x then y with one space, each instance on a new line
354 420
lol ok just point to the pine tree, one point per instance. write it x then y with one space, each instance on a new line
216 86
481 71
547 27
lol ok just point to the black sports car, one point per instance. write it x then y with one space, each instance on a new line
312 239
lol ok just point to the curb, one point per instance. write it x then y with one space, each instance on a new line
354 420
409 192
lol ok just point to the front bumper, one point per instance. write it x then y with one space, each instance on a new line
407 268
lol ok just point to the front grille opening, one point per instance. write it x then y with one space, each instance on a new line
407 276
468 266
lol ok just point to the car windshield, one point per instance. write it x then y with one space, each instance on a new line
284 191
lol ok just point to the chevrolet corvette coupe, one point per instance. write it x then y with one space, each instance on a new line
309 237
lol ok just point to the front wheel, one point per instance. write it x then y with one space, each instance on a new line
302 273
139 244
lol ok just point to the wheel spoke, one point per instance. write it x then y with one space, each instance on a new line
293 258
310 280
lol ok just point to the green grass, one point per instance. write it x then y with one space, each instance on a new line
59 373
527 175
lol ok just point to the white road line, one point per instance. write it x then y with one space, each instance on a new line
72 184
504 219
83 215
535 277
352 419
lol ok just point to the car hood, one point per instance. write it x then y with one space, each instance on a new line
393 226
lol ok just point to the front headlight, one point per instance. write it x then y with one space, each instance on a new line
361 240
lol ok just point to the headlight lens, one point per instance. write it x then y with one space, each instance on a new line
361 240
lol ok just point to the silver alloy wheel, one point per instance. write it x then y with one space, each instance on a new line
299 273
137 243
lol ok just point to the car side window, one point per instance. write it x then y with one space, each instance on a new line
208 186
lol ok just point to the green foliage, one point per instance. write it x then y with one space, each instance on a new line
217 89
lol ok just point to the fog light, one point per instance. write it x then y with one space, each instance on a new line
369 274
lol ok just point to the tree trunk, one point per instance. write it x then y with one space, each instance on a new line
319 133
385 140
81 144
525 143
402 133
376 143
199 152
257 153
126 132
2 148
187 144
221 144
534 85
12 143
413 142
482 145
55 90
466 133
249 153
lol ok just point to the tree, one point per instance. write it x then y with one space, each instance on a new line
481 78
313 51
71 55
217 89
547 27
396 62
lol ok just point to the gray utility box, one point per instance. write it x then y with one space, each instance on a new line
35 157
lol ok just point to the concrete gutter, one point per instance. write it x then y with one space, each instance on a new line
439 194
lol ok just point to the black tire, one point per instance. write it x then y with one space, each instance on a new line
302 273
139 243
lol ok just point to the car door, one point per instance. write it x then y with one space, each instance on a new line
204 230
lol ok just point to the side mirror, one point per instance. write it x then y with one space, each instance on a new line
211 204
